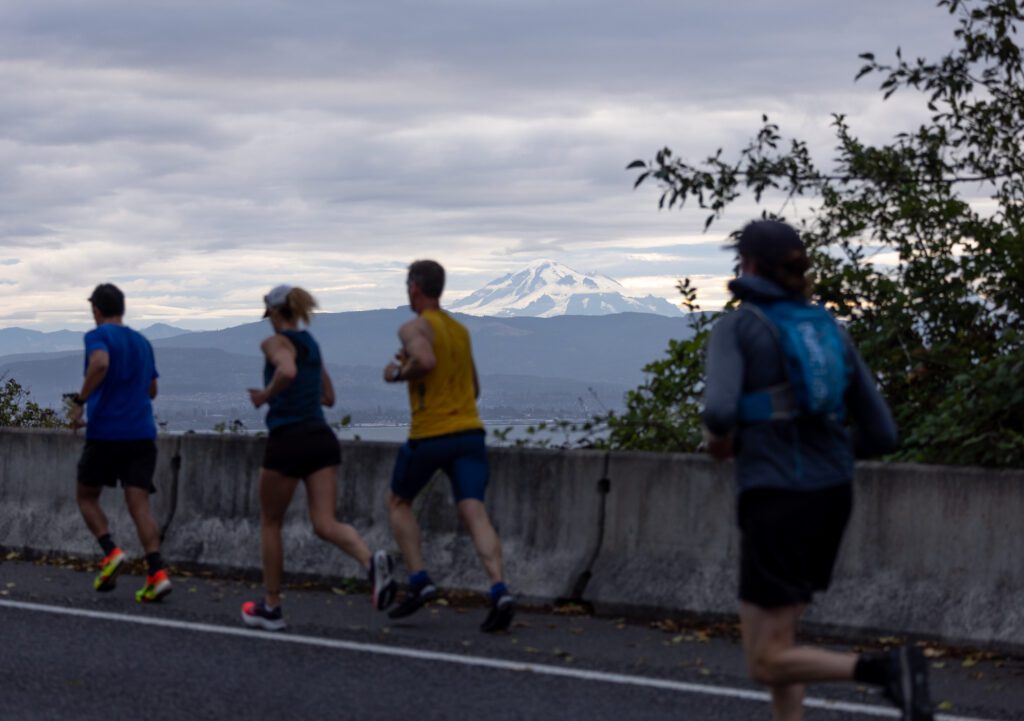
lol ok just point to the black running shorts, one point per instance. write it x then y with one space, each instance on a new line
104 463
301 449
789 541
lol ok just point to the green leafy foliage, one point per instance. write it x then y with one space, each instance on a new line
663 413
345 424
660 415
560 434
234 427
917 244
16 410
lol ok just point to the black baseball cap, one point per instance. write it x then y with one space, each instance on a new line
108 299
768 240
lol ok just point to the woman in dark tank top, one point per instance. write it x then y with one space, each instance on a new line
300 401
300 447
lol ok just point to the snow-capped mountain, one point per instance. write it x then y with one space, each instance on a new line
547 288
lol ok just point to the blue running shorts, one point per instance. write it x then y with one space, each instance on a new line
462 456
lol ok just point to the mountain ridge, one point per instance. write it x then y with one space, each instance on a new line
602 348
531 367
19 341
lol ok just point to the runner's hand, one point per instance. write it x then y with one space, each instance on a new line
76 417
718 447
391 372
258 396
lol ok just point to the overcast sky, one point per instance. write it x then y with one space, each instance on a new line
197 153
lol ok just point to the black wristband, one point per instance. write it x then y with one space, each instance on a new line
78 400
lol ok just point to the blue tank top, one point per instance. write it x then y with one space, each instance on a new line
299 402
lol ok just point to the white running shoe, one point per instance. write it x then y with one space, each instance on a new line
383 585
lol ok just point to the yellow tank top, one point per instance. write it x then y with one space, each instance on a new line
444 401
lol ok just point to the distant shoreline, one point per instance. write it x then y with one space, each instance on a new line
517 431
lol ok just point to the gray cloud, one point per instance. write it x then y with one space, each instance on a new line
526 44
199 152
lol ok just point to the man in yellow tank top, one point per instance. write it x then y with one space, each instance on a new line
436 362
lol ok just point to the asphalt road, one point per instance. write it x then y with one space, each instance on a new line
69 653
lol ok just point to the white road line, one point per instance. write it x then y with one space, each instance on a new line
478 661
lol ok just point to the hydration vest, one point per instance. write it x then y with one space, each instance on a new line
814 358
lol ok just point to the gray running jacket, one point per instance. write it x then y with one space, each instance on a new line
800 453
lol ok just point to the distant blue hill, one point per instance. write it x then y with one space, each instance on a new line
559 367
22 340
202 386
608 348
158 331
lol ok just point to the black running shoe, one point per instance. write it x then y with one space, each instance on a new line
414 600
499 618
382 584
256 615
907 684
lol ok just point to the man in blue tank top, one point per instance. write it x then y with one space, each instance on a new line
120 432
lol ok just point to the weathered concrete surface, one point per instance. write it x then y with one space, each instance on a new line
37 493
543 503
670 538
930 550
935 551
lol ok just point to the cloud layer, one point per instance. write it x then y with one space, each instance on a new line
197 153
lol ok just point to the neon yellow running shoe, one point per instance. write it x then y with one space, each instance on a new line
110 567
157 586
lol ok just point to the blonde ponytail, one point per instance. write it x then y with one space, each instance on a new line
299 306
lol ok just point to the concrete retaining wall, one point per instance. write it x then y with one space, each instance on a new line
933 551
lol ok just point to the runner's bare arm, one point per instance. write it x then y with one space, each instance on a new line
152 389
95 372
281 355
417 354
476 382
326 389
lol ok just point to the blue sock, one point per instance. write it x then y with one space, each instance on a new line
419 579
498 590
